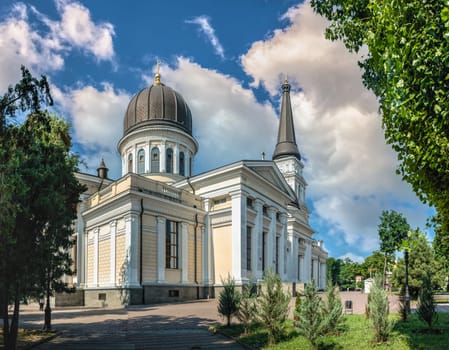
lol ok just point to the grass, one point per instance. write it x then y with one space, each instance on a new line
26 338
356 334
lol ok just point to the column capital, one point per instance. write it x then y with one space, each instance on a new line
130 217
271 210
258 202
283 218
113 223
161 220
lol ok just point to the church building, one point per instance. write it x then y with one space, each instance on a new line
160 233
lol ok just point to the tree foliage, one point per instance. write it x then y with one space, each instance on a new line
247 309
378 308
333 309
39 196
426 308
273 306
228 300
407 68
422 258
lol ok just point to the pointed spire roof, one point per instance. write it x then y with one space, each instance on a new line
286 144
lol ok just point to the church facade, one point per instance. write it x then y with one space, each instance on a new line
160 233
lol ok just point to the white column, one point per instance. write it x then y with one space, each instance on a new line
283 247
161 221
96 233
271 251
307 262
132 249
176 159
238 225
147 157
184 252
256 261
207 271
293 263
162 157
81 243
113 226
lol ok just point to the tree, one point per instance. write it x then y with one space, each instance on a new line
374 264
393 229
426 308
247 309
421 259
334 268
273 306
37 172
311 321
378 307
333 309
229 300
407 68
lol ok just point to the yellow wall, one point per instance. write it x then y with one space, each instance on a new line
90 264
172 276
104 262
119 259
222 251
149 242
191 254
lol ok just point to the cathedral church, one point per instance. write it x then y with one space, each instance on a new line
160 233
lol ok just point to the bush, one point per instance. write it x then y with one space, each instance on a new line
378 307
273 304
426 307
229 299
310 313
333 310
247 309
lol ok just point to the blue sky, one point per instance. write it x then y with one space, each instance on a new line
228 59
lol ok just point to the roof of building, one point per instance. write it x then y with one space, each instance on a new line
286 143
157 105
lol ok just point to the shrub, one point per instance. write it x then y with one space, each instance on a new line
229 299
333 310
273 304
247 309
310 313
378 307
426 307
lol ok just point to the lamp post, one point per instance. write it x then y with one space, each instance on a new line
407 294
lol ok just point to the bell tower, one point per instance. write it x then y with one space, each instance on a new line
286 154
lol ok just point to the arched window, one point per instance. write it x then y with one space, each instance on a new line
190 166
181 164
141 162
130 163
155 160
169 164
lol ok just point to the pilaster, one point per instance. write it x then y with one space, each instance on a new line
271 251
132 249
95 279
161 221
238 227
256 262
113 228
184 252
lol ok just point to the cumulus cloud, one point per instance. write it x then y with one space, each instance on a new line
229 123
44 51
350 170
97 122
209 32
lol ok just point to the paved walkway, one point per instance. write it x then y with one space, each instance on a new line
165 326
173 326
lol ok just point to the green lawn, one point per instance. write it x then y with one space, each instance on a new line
357 334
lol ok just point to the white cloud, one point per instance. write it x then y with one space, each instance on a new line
353 257
229 123
350 170
97 121
208 30
43 52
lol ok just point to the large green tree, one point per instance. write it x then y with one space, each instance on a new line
393 229
40 193
422 260
406 65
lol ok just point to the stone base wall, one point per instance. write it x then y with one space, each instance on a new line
112 297
173 293
69 299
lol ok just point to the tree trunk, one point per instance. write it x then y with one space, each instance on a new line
47 325
4 310
11 340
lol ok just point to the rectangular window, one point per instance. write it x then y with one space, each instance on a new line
249 203
220 201
248 248
171 245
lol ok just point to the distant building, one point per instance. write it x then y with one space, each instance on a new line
160 233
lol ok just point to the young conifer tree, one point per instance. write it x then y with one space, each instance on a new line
379 310
273 306
229 300
247 309
426 307
312 323
333 309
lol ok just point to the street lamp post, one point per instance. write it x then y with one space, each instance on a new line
407 294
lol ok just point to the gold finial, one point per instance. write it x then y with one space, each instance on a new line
157 77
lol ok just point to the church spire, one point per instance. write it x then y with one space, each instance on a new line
286 144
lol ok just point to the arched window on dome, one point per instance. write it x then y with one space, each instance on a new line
155 160
141 162
169 163
130 163
181 164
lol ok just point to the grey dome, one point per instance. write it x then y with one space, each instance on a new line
157 105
